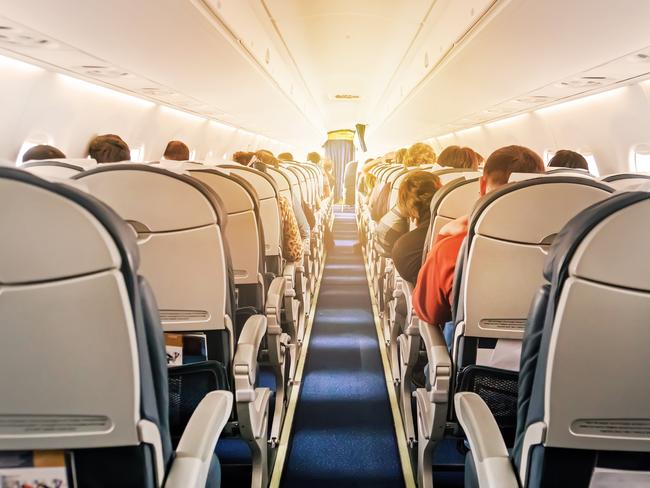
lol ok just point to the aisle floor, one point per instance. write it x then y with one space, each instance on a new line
343 432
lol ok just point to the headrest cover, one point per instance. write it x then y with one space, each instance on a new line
160 200
53 231
534 211
584 246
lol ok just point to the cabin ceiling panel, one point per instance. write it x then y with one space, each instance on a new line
174 45
512 56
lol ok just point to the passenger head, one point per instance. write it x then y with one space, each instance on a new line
243 157
327 165
460 157
41 152
109 148
415 194
400 155
267 158
313 157
285 156
177 151
568 159
370 182
505 161
419 154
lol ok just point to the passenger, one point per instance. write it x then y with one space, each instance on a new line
400 155
395 224
313 157
432 296
349 181
285 156
243 157
109 148
292 239
328 181
460 157
414 200
42 152
177 151
568 159
416 155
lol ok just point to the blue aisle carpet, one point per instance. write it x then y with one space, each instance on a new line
343 432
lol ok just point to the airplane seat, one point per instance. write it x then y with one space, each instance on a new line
180 225
245 229
578 423
83 298
626 181
454 200
569 172
497 275
62 168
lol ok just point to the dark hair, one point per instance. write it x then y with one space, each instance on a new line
41 152
568 159
313 157
109 148
243 157
511 159
415 194
285 156
459 157
177 151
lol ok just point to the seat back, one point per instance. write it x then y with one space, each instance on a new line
178 221
244 228
576 411
446 175
58 168
626 181
455 199
267 194
76 328
509 235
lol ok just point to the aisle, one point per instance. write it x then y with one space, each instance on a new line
343 432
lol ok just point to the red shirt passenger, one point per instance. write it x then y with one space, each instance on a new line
432 296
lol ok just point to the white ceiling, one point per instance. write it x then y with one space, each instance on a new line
420 68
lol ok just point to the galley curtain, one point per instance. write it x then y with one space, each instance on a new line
339 148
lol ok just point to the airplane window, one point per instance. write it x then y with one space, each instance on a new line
27 145
548 155
642 158
137 154
193 155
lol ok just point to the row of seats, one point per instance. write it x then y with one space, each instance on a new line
487 383
102 260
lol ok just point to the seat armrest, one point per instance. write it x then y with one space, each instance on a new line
196 447
274 301
289 273
439 362
488 449
245 361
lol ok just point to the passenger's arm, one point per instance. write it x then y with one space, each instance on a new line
195 450
488 449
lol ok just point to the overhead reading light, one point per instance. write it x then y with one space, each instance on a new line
16 37
533 99
639 58
585 82
155 91
98 71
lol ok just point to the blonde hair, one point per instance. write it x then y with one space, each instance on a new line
415 194
419 154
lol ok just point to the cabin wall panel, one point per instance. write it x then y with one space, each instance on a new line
608 125
46 107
